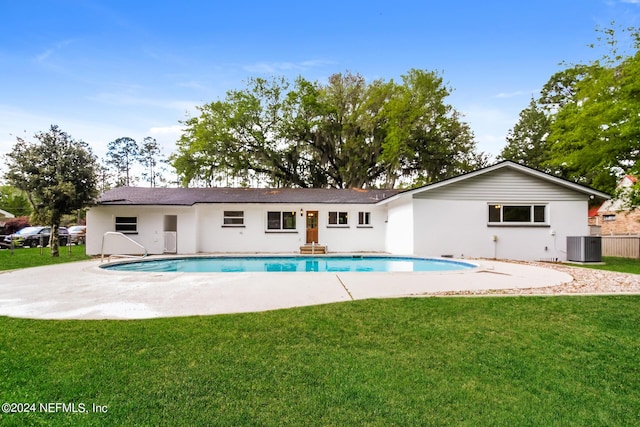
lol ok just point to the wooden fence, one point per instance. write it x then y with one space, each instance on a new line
621 246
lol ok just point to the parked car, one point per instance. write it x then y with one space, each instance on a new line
78 234
36 236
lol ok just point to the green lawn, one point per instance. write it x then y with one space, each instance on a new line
516 361
33 257
623 265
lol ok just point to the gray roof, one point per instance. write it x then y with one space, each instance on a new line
191 196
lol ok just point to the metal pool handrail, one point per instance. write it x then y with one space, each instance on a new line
116 233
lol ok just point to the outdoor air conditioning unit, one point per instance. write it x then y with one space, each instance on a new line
584 248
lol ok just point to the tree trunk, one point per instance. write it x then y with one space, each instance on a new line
54 238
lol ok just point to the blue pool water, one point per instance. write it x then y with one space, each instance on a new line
290 264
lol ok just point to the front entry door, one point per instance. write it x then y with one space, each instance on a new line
312 226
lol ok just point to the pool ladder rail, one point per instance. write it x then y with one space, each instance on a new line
128 240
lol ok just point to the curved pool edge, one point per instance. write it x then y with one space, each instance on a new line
112 265
85 291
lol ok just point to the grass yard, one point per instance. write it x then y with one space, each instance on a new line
32 257
504 361
623 265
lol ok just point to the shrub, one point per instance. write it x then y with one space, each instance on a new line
14 224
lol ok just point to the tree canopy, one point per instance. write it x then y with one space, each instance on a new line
121 155
150 153
527 141
586 124
346 133
127 161
58 174
14 200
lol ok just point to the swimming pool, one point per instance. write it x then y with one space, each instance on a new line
235 264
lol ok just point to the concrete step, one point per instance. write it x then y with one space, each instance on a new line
313 249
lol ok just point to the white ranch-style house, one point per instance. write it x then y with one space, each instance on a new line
505 211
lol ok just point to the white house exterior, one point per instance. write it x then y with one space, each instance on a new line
239 220
505 211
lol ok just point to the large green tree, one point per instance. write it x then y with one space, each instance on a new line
527 141
14 200
122 154
586 124
588 143
346 133
426 138
595 135
150 157
57 172
338 130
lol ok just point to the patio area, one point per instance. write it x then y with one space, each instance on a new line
83 290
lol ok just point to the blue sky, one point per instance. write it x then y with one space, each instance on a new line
104 69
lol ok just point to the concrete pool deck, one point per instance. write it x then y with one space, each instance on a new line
85 291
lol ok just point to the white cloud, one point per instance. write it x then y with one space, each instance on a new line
166 136
514 94
613 3
490 125
16 122
123 99
316 63
192 85
175 130
271 67
44 56
280 67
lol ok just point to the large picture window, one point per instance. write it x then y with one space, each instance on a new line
281 221
126 224
517 214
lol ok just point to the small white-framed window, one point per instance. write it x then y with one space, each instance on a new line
338 218
609 217
518 214
233 219
285 221
364 219
126 224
